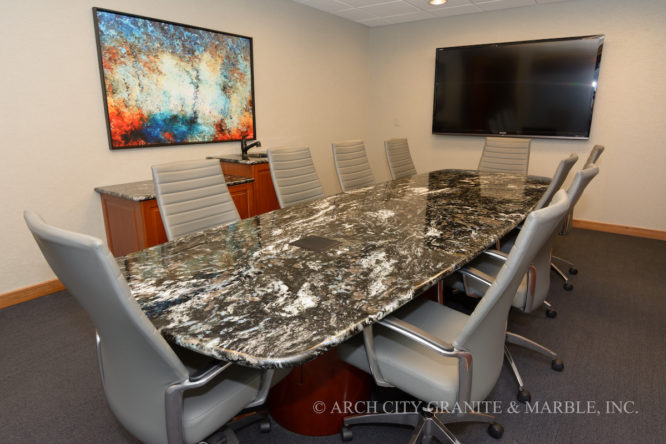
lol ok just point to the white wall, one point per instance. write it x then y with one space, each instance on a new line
310 88
629 114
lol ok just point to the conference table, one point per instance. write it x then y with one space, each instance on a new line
246 293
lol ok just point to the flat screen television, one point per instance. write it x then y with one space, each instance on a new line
537 88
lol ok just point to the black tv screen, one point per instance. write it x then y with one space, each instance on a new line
538 88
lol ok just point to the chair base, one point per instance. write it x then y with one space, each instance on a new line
550 311
227 435
426 424
567 285
555 363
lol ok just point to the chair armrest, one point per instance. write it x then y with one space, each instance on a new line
264 386
477 275
369 344
439 346
480 276
497 254
204 375
417 334
173 398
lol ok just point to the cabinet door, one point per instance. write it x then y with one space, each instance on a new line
265 199
243 199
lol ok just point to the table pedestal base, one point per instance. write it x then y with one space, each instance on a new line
311 399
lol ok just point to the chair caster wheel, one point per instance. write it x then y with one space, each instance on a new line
346 434
568 287
551 313
265 426
573 270
557 365
496 430
524 396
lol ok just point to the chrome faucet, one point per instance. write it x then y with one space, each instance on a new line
245 147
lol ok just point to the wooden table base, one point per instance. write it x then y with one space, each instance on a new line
309 401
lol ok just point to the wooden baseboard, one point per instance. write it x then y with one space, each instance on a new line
32 292
620 229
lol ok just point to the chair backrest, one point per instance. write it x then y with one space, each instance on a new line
398 157
294 175
505 155
484 333
558 179
352 166
137 365
594 155
541 261
580 182
192 196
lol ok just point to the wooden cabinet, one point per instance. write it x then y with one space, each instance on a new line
243 197
265 199
133 225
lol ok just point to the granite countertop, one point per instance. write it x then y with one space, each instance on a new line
244 293
145 189
255 159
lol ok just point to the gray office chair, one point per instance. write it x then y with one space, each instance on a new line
533 289
352 166
192 196
594 155
566 226
440 355
294 175
157 394
398 158
507 241
505 155
558 179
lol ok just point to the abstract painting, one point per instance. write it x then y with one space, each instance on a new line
166 83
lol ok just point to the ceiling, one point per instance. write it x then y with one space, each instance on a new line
390 12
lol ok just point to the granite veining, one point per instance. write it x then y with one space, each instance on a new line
243 293
145 189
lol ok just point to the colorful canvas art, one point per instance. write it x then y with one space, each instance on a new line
165 83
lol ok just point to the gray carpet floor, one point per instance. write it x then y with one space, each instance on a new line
610 332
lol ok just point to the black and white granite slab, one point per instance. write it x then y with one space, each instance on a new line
145 189
237 158
243 293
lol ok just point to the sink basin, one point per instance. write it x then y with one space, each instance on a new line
257 155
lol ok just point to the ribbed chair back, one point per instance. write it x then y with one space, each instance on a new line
192 196
399 159
294 175
352 166
505 155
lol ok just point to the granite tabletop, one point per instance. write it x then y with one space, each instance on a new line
145 189
244 293
254 158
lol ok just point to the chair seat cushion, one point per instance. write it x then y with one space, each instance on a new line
408 365
205 408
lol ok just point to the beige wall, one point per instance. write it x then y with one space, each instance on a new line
310 88
318 78
629 114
